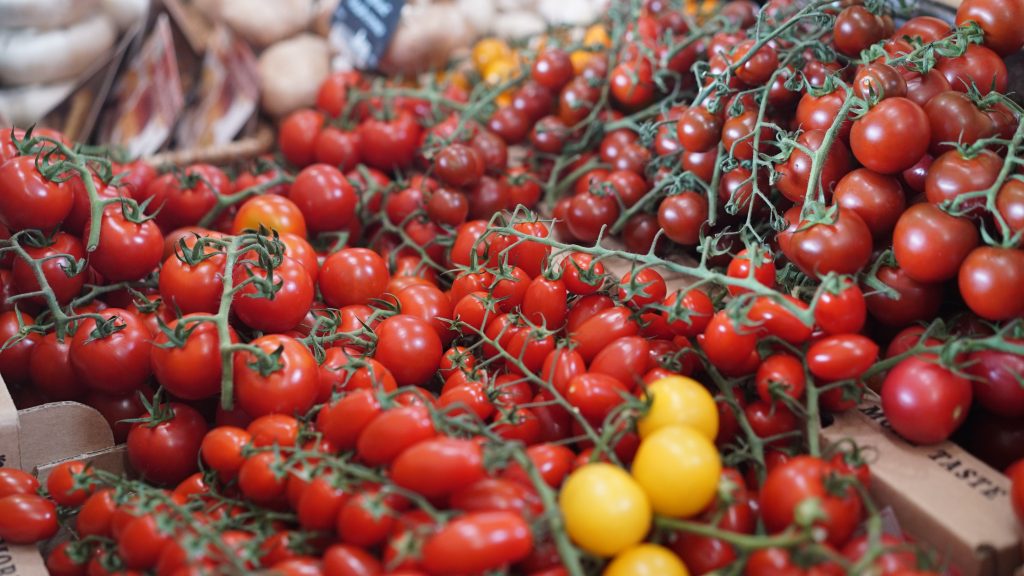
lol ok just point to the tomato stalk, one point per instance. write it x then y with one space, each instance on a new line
224 201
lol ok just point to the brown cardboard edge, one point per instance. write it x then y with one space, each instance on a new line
922 483
61 430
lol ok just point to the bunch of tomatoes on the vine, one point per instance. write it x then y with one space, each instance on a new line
408 343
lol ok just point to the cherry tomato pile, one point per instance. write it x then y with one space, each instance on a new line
576 306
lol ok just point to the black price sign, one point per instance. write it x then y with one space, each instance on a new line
366 27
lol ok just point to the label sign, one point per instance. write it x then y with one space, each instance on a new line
366 27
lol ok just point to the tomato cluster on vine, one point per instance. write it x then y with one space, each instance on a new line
408 344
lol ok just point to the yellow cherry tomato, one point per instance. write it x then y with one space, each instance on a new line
682 401
488 50
501 70
605 510
596 35
678 468
646 560
580 59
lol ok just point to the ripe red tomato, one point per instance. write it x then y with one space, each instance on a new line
803 478
841 357
856 28
624 359
127 250
297 136
439 467
642 288
991 282
15 358
28 199
287 305
118 363
601 329
392 432
14 481
409 348
184 200
780 374
478 542
57 257
581 274
728 346
916 301
877 199
892 136
996 387
930 244
390 144
842 246
924 402
352 276
193 288
288 385
682 216
632 83
740 268
166 451
326 199
995 17
841 309
189 369
979 66
29 518
698 130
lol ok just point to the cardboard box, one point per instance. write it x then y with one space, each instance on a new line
37 439
942 495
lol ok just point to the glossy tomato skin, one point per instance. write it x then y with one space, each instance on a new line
292 388
601 329
193 371
193 288
297 136
980 66
272 212
952 175
168 452
917 301
184 201
118 363
392 432
842 311
803 478
477 542
29 200
994 18
27 518
923 401
290 303
325 197
877 199
841 357
127 250
390 144
14 360
353 276
892 136
439 467
843 247
605 525
930 245
58 257
409 348
991 282
996 387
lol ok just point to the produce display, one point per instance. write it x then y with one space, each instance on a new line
577 304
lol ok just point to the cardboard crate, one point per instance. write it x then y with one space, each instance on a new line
38 438
941 494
